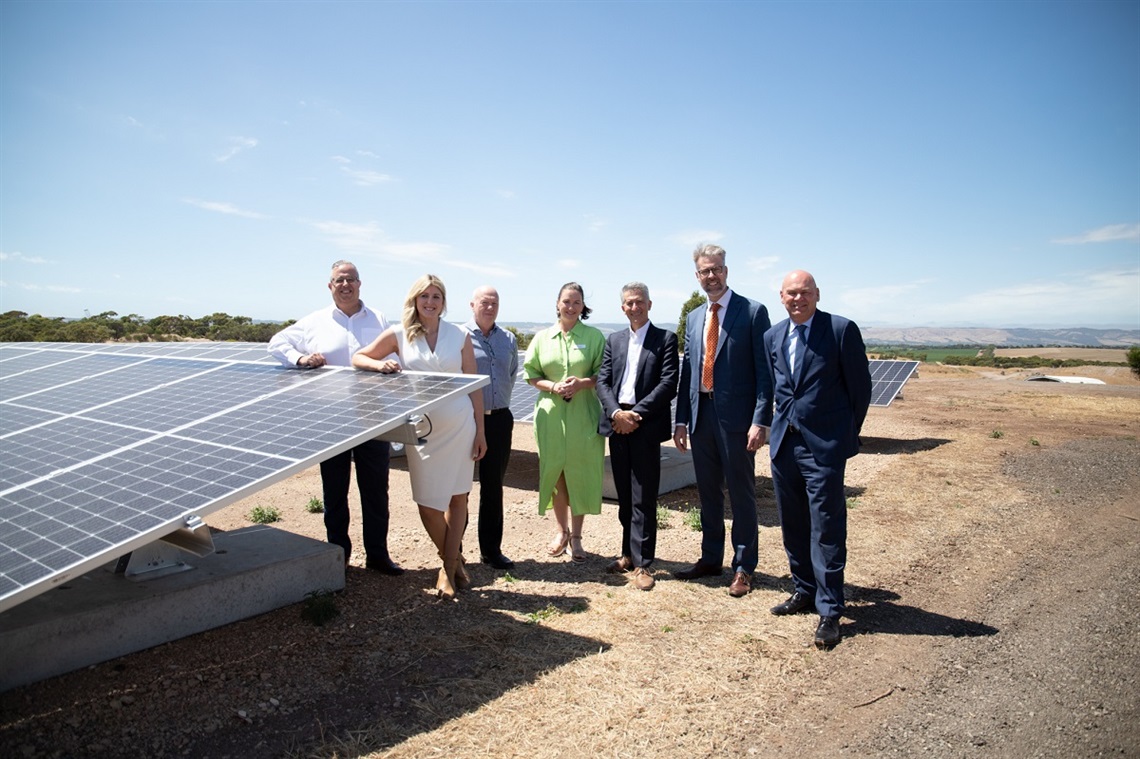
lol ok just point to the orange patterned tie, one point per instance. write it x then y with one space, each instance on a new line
711 335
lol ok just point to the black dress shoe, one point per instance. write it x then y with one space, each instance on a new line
699 570
827 634
498 562
385 567
796 603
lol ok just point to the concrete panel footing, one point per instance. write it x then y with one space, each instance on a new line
676 473
102 615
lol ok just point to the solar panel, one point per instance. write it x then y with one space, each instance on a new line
887 379
107 448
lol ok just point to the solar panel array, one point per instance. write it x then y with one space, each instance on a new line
109 447
887 379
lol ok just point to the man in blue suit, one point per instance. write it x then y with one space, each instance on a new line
821 390
636 385
725 386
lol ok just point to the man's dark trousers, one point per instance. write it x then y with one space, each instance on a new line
498 429
720 457
636 463
371 460
815 534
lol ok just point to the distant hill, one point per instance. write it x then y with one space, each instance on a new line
935 336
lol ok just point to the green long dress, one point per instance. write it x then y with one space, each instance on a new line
567 432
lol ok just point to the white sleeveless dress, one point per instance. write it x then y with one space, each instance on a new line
442 466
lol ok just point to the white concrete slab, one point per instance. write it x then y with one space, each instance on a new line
676 473
102 615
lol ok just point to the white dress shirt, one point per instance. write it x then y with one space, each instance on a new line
330 332
627 393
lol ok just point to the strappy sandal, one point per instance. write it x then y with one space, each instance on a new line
577 554
559 545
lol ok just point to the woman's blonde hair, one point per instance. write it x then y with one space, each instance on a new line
413 327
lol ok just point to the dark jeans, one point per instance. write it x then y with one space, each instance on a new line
721 459
636 463
498 428
372 482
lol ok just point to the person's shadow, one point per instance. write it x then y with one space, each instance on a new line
876 611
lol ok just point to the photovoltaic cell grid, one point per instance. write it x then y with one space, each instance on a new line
106 448
887 379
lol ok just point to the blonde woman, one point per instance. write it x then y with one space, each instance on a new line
442 468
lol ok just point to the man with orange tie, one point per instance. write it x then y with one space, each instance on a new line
724 386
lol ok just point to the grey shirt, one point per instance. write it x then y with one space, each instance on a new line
496 355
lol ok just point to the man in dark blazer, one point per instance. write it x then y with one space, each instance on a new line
821 391
636 385
725 385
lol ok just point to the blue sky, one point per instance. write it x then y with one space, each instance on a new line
933 164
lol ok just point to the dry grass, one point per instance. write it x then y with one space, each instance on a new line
555 659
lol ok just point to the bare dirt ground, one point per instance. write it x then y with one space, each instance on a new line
994 556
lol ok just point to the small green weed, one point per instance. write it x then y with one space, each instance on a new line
320 607
666 628
264 514
997 434
535 617
692 519
1034 441
663 515
315 506
852 503
508 577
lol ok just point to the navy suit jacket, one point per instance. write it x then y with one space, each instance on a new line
654 388
829 402
742 382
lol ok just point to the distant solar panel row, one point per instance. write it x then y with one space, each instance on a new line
109 447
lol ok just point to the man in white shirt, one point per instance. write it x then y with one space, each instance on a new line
330 336
636 385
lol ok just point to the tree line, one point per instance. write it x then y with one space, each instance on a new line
18 326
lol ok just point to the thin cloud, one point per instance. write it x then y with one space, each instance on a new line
18 256
763 263
370 239
365 177
490 270
366 154
50 288
694 237
594 223
237 145
869 297
508 194
341 159
226 208
568 263
1111 233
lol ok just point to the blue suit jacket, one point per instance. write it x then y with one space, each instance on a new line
655 386
829 402
742 382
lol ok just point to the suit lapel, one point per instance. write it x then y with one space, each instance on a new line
621 352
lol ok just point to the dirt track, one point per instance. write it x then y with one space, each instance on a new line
994 560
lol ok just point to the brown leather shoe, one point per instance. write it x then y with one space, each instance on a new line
624 564
698 570
641 579
741 585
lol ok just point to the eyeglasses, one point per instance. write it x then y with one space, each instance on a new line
712 271
345 281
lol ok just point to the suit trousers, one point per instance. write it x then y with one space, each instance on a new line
636 463
371 459
722 458
498 428
813 518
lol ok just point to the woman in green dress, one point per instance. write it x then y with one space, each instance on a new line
562 362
